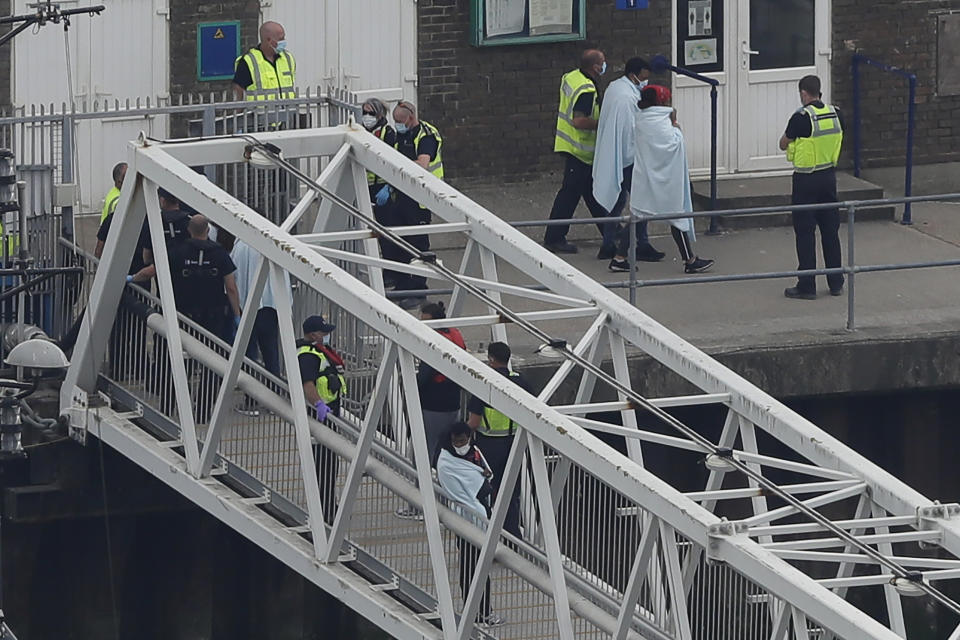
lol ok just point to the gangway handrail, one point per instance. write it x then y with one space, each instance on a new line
855 61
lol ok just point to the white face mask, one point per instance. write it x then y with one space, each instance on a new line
462 451
326 339
281 46
643 83
603 67
369 121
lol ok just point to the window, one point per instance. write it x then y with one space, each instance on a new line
503 22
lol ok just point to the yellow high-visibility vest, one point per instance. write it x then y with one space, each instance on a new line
580 143
323 378
495 424
372 178
436 165
13 243
269 82
822 149
110 203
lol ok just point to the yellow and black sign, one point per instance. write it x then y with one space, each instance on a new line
219 34
218 47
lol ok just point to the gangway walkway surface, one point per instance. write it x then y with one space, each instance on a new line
786 526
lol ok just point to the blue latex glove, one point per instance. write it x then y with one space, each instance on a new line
383 196
322 410
129 278
236 322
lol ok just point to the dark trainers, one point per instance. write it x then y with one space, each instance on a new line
606 252
619 265
837 291
799 294
648 253
561 247
699 265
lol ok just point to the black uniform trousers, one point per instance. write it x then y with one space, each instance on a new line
328 465
577 184
812 188
406 212
469 556
497 452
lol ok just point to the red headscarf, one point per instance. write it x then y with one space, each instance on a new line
662 93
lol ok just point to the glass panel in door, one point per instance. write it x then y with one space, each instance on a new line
782 32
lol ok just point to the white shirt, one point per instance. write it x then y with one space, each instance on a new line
247 260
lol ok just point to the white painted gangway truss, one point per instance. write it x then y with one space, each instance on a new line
764 527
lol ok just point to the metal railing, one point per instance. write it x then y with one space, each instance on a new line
855 63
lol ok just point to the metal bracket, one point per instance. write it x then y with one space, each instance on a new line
264 498
716 533
393 585
928 519
80 416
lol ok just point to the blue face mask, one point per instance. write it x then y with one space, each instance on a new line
281 46
402 128
603 67
326 339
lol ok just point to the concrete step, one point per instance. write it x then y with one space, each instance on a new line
771 191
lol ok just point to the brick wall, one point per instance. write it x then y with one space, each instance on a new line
496 106
902 34
185 15
6 72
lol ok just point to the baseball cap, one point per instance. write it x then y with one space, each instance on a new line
316 323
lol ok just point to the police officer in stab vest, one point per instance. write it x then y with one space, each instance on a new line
812 141
267 72
495 432
321 372
576 139
421 142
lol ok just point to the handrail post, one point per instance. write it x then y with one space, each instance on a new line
67 171
908 179
714 220
855 67
851 263
632 257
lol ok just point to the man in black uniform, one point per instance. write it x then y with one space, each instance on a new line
204 284
812 141
495 432
421 142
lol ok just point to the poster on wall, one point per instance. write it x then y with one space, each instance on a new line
700 35
504 17
551 16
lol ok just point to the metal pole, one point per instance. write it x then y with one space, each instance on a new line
714 220
851 263
66 170
908 179
632 258
209 128
22 257
855 66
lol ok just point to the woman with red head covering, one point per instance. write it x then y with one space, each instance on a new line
661 176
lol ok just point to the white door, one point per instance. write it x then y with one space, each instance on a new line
98 48
366 46
778 42
758 91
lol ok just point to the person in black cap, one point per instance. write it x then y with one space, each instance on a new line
321 372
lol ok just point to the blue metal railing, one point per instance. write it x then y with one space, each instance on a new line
659 64
855 63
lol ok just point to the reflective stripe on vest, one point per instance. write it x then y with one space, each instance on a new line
436 165
12 244
495 424
822 149
110 203
372 178
580 143
323 379
269 82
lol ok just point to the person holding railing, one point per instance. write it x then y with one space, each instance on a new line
812 141
374 119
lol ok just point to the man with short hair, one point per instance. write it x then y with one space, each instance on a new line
812 141
113 196
613 160
267 71
576 138
495 431
421 142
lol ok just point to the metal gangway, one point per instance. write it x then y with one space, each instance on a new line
775 529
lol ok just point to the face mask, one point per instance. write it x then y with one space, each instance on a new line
281 46
326 339
462 451
603 67
402 128
369 121
643 83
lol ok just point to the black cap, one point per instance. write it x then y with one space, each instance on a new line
316 323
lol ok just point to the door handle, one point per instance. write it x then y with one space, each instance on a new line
746 50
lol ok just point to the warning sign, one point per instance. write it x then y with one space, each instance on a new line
219 34
218 47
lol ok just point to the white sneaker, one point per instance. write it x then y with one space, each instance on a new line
492 620
408 513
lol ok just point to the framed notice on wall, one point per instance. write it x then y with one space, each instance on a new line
503 22
700 35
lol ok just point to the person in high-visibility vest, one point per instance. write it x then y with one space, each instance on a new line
421 142
374 119
576 137
495 431
321 373
110 205
268 71
812 141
